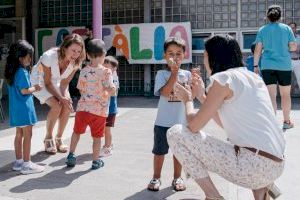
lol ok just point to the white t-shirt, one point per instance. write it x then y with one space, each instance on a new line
49 59
248 116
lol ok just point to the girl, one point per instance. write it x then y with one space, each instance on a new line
21 101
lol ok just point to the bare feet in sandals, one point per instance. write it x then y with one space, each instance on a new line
178 184
154 184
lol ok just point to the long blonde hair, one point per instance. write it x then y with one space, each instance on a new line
68 41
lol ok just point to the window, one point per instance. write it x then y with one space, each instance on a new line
198 42
248 39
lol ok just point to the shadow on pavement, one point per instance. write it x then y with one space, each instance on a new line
6 172
146 194
79 160
55 179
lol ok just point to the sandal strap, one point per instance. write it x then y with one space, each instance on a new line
178 181
49 146
98 163
155 181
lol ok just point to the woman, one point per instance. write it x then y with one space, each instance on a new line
54 71
276 40
238 101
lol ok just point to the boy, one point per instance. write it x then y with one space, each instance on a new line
95 85
170 110
111 63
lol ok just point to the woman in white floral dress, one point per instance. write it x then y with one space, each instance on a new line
238 101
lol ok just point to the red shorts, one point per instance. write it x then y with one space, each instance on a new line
110 120
95 122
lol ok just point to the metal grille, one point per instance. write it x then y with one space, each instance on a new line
123 11
131 78
253 13
156 11
60 13
203 13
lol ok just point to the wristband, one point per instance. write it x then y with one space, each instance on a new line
255 66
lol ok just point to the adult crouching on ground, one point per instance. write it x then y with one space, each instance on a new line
54 71
238 101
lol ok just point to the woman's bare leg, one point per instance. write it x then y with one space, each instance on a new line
53 114
62 121
208 187
285 93
259 194
272 92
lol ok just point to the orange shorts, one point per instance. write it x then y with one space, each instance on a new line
95 122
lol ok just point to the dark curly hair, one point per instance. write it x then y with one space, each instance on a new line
17 50
223 53
274 13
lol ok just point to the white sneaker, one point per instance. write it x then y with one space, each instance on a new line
17 166
106 151
32 168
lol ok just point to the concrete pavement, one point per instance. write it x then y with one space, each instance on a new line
127 172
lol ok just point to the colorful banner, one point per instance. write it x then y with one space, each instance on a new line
139 43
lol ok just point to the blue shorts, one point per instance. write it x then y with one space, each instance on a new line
161 146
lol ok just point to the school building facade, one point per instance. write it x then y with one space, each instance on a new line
239 18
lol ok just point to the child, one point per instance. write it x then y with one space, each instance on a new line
21 107
95 85
170 110
111 63
250 61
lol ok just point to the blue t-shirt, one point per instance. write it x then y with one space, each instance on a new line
170 111
250 63
113 106
275 38
21 107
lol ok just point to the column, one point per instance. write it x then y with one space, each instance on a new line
97 19
147 67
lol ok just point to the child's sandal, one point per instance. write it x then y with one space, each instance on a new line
96 164
61 147
154 184
178 184
49 146
71 160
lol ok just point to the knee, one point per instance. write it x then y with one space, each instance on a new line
65 110
56 108
174 133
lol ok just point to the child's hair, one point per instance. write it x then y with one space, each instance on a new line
253 47
274 13
293 23
223 53
90 27
174 40
112 60
17 50
95 48
67 42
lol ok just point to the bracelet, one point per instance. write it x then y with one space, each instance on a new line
255 66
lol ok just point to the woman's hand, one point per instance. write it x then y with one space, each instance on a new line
183 93
198 88
37 88
66 101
